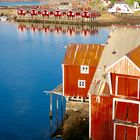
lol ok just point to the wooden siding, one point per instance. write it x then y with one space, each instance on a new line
125 133
117 116
128 86
71 76
124 66
101 122
127 112
123 126
83 54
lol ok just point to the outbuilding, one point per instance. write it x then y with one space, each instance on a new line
71 14
57 13
21 12
78 68
33 12
85 14
45 13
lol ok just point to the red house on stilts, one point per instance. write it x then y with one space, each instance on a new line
115 90
78 68
21 12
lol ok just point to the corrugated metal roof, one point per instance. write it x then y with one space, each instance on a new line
83 54
122 41
134 55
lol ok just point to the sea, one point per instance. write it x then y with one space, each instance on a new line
31 56
22 3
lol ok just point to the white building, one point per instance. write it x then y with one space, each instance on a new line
120 7
65 6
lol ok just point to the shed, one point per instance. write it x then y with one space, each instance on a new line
85 14
78 68
33 12
45 12
21 12
71 13
57 13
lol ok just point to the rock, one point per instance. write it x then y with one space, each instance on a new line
76 125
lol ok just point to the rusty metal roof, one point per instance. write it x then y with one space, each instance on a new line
83 54
134 55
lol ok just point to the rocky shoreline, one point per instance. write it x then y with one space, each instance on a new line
76 122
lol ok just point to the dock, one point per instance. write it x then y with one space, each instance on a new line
75 117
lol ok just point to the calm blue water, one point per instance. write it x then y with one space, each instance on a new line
21 3
30 62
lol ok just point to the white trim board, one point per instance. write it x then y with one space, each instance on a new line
109 67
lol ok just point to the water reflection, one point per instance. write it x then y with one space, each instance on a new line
70 30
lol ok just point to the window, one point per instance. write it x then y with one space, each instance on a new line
82 83
84 69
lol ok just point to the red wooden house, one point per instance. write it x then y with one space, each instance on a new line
78 13
85 14
21 12
70 14
94 14
78 68
57 14
33 12
115 89
90 14
45 13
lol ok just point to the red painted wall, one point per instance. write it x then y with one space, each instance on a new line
71 77
101 114
102 124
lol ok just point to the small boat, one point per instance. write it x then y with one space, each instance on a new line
3 18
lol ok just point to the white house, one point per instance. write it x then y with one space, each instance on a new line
136 6
65 6
120 7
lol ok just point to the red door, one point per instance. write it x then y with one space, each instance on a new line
125 133
127 112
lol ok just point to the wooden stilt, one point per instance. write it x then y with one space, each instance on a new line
62 108
50 115
57 110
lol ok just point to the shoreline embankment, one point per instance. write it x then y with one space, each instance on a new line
76 122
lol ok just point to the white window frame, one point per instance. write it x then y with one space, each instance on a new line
84 69
81 83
